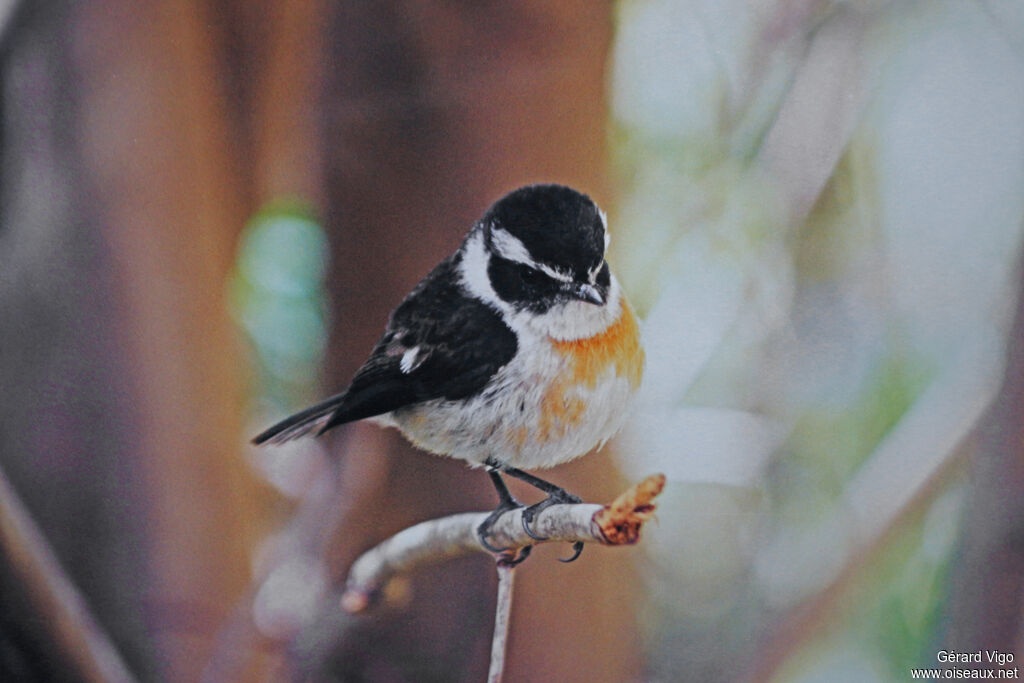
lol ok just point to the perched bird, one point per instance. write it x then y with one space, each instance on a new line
519 351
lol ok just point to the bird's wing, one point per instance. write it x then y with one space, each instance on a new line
439 343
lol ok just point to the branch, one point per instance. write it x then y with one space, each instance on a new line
502 613
59 609
454 536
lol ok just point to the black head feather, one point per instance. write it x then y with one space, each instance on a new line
560 227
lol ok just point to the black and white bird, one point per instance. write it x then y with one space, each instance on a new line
519 351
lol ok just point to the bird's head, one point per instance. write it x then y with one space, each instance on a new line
539 252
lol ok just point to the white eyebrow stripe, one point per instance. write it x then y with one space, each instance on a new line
508 246
552 273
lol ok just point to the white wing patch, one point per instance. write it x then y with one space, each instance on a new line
412 359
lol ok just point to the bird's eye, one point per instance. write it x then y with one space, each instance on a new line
532 276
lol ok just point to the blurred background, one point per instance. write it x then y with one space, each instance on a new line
207 210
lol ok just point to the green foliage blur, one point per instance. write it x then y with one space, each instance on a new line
277 296
803 368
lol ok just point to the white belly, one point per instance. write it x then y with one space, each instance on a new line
525 418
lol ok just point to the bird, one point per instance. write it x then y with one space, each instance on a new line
517 352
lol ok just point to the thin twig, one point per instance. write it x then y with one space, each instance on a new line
502 612
438 539
58 605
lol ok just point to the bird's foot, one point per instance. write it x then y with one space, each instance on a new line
558 497
484 530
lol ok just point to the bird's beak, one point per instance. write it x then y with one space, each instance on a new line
590 293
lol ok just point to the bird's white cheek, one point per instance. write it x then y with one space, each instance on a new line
473 272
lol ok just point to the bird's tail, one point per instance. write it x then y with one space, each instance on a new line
300 423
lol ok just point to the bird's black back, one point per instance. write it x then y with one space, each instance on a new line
462 343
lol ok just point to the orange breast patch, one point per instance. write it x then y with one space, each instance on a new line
589 360
558 412
619 345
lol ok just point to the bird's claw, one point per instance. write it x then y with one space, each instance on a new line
484 530
528 516
530 513
482 537
577 549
